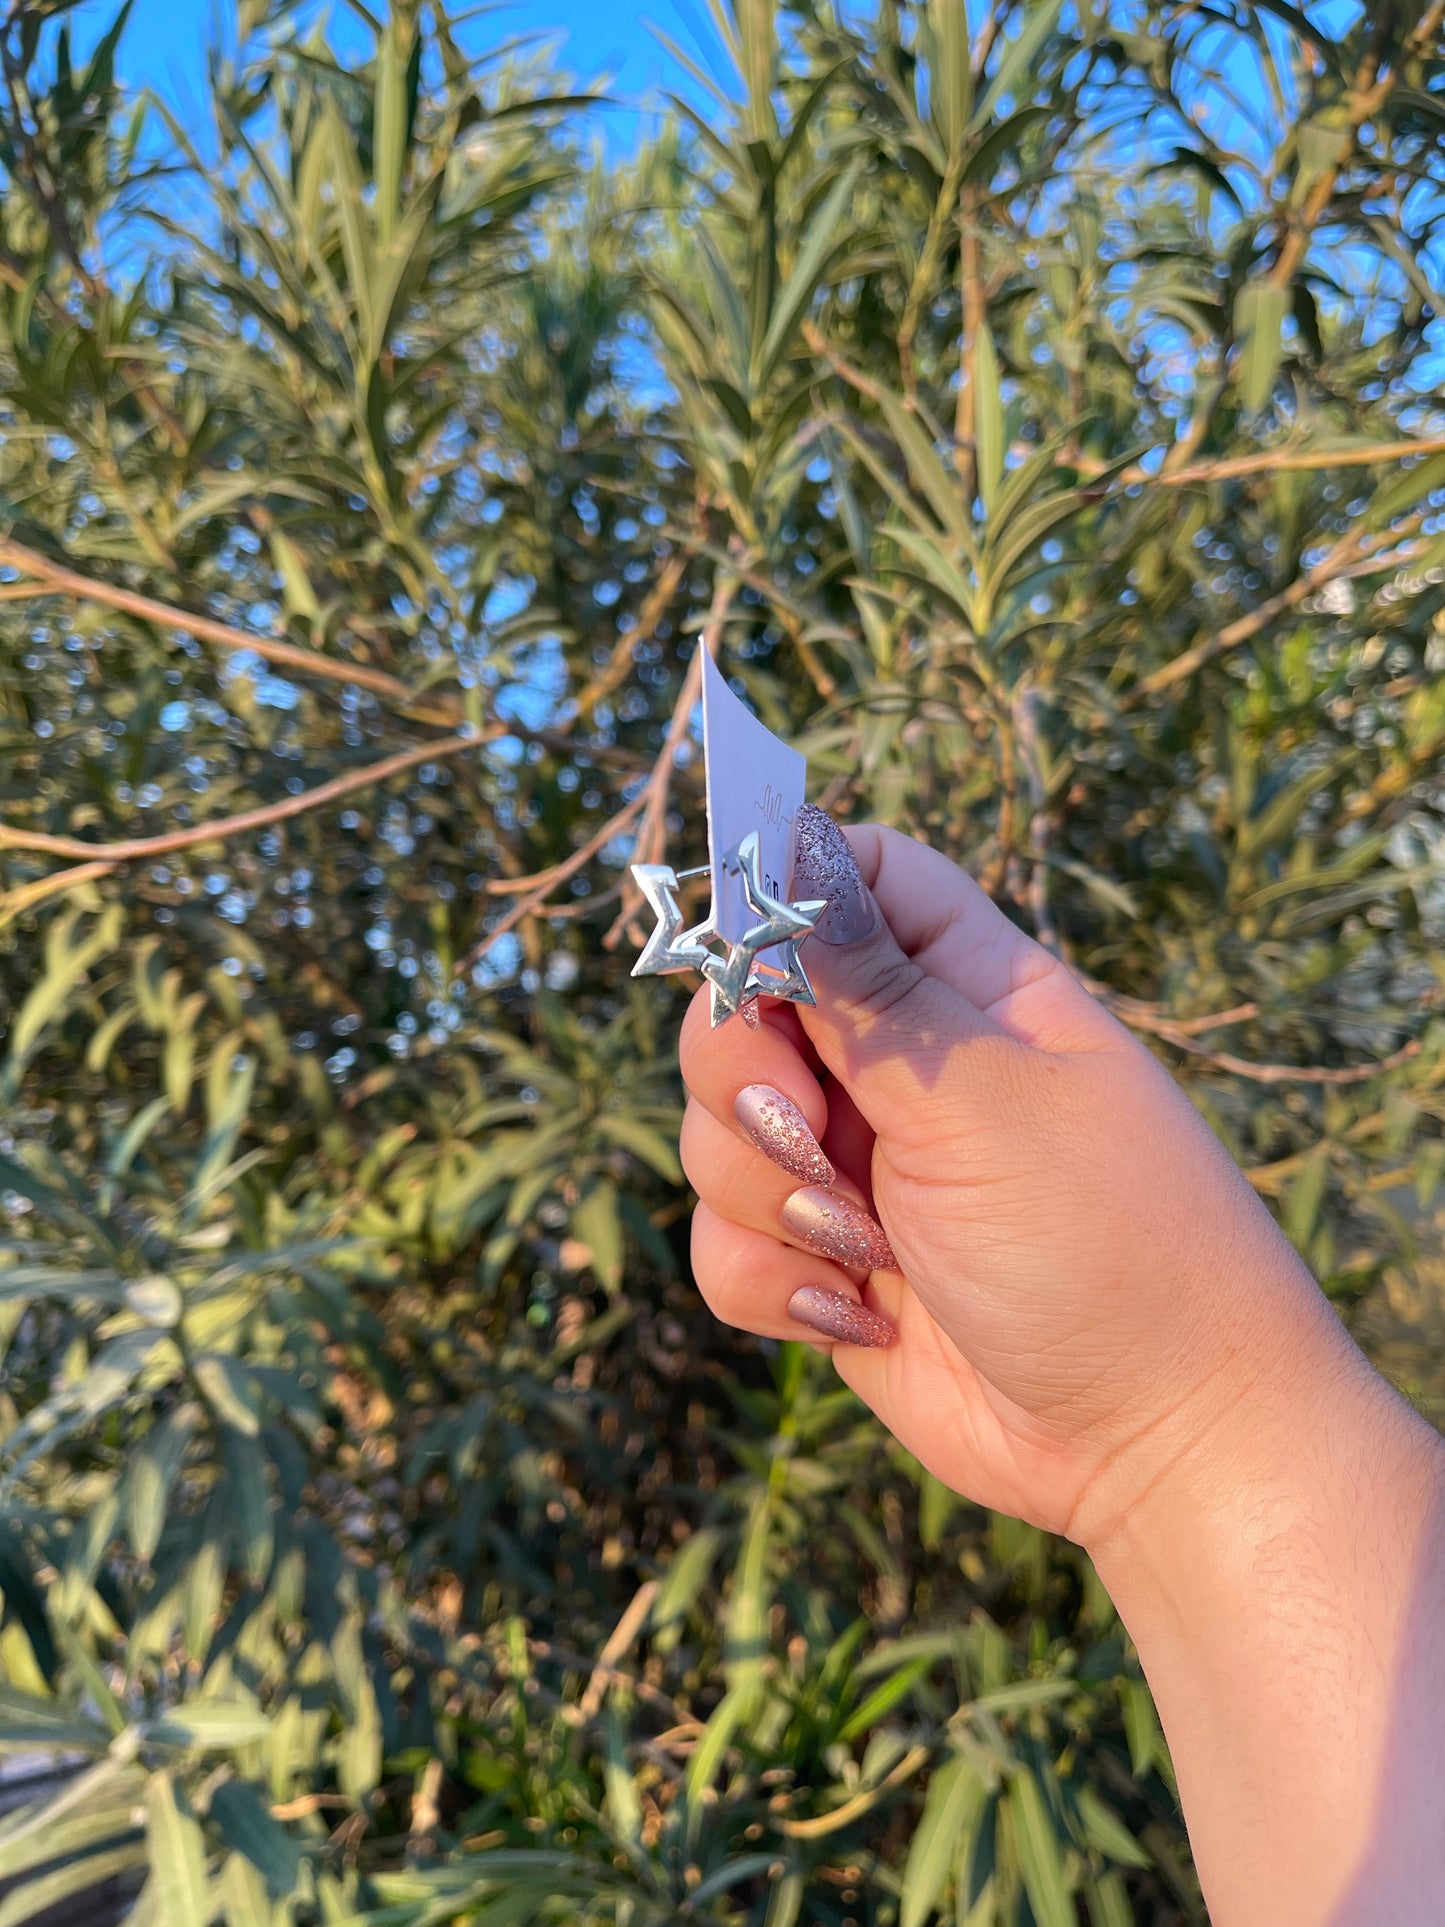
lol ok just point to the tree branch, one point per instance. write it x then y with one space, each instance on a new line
13 902
13 839
1182 1034
619 663
545 881
1349 557
1366 97
1265 462
652 832
1289 1073
53 578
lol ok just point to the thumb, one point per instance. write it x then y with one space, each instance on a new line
884 1026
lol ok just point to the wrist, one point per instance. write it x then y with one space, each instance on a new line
1283 1386
1283 1580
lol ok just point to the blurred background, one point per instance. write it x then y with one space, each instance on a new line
1036 408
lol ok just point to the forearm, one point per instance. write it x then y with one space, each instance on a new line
1285 1586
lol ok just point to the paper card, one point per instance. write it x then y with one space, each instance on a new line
754 782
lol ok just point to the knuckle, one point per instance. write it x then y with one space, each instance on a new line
894 989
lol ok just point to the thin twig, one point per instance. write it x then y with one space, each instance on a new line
975 318
618 1644
825 1823
652 831
1144 1016
13 902
146 846
1043 825
619 663
52 578
308 1803
1366 98
1348 557
1268 461
1290 1073
1182 1032
546 881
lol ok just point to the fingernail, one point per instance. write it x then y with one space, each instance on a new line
836 1228
780 1131
823 866
835 1316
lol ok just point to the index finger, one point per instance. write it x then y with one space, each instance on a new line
718 1064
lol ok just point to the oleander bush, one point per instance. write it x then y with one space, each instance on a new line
1039 416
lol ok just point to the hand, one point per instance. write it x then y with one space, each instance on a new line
1093 1323
1083 1278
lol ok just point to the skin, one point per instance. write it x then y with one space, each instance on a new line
1102 1330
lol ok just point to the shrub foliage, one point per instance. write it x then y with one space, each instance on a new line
1037 416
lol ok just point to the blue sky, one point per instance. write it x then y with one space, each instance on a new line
164 42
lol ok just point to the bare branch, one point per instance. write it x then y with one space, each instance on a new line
13 902
13 839
52 578
1268 461
1351 556
1183 1032
546 881
652 833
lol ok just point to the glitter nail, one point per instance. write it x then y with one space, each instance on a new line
837 1316
824 866
836 1228
780 1131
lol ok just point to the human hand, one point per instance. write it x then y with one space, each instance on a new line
1085 1285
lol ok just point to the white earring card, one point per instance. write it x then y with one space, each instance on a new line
755 785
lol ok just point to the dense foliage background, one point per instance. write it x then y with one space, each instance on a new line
1040 417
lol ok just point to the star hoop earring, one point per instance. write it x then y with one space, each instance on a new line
736 979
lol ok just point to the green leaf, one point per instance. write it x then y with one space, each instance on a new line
707 1754
596 1223
254 1521
644 1142
244 1819
154 1465
951 73
1109 1903
389 136
1259 312
882 1700
1040 1853
49 1891
229 1390
1141 1725
26 1721
801 284
988 416
177 1857
935 482
1104 1830
624 1803
209 1724
955 1794
689 1571
66 966
1012 75
296 583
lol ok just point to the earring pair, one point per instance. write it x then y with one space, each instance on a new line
738 977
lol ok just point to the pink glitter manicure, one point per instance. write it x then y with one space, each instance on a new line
780 1131
836 1228
837 1316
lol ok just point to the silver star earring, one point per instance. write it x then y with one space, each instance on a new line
737 979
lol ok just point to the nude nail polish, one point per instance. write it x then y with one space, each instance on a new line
780 1131
835 1315
824 866
836 1228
